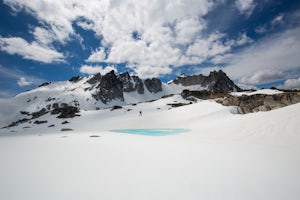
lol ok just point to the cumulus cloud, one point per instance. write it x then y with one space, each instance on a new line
169 32
263 76
243 39
58 15
154 37
88 69
24 82
30 51
267 60
245 6
291 84
97 56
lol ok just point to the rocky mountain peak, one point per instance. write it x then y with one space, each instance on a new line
220 82
131 83
95 79
216 81
109 88
153 85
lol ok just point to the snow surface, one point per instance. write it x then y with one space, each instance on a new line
224 156
263 91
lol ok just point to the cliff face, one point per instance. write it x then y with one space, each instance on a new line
247 103
215 82
260 102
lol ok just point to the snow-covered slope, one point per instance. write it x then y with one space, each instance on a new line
104 91
263 91
223 156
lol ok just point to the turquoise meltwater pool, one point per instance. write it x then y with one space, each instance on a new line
152 132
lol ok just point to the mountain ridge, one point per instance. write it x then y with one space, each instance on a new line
103 91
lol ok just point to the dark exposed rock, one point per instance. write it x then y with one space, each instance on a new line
16 123
40 122
191 80
153 85
95 79
39 113
109 88
125 78
116 107
94 136
25 113
52 125
48 107
44 84
260 102
50 99
167 96
139 86
175 105
216 82
66 112
63 105
75 79
65 122
131 83
55 105
66 129
220 82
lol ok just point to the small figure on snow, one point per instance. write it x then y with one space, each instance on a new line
140 113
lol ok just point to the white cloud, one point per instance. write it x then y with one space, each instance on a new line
243 39
97 56
171 34
272 58
150 71
263 76
245 6
43 36
88 69
166 28
24 82
291 84
30 51
277 20
58 15
261 29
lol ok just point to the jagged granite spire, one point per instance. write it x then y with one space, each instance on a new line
216 81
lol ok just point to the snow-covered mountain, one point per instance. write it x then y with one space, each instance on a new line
222 154
104 91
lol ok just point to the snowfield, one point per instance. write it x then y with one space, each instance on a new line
224 156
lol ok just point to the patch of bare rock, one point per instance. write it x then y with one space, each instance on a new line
248 103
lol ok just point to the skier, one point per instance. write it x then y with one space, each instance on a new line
140 113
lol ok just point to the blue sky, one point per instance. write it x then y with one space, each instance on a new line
257 43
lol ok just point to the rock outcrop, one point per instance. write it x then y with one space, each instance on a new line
247 103
202 94
131 83
153 85
110 88
95 79
75 79
66 112
215 82
260 102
